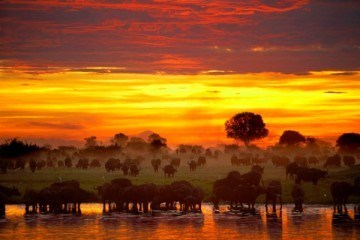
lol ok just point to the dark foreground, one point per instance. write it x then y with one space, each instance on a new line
314 223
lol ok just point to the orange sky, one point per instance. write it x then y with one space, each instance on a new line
183 108
181 68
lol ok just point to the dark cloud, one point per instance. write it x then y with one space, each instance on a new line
69 126
334 92
180 37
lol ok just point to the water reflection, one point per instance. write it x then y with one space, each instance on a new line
315 222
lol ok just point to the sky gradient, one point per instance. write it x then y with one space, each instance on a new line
181 68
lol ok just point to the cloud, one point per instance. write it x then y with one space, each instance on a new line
345 73
179 36
47 125
334 92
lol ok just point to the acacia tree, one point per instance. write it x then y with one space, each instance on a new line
156 136
291 138
348 142
246 127
119 139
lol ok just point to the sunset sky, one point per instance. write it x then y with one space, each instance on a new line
181 68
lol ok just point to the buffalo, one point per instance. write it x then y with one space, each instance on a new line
188 196
156 164
193 199
340 192
192 166
298 194
273 192
134 170
169 171
333 161
251 178
309 175
114 193
30 199
83 163
47 200
223 188
112 164
75 196
95 163
148 193
109 195
68 162
247 194
201 161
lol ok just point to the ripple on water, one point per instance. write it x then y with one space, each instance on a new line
314 223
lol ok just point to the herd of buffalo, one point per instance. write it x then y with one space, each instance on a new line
117 196
121 195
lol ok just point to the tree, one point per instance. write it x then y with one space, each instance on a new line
156 145
246 127
90 142
348 142
14 148
156 136
291 138
119 139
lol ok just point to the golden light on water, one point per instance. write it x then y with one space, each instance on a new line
183 108
315 222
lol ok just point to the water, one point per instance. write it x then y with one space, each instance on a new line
314 223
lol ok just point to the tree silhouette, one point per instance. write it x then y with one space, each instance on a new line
14 148
291 138
119 139
156 145
348 142
90 142
246 127
156 136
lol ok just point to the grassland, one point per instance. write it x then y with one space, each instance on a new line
203 177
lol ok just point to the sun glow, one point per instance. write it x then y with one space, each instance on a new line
184 108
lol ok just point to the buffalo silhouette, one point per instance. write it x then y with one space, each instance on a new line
169 171
273 192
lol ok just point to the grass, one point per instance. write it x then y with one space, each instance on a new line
203 177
